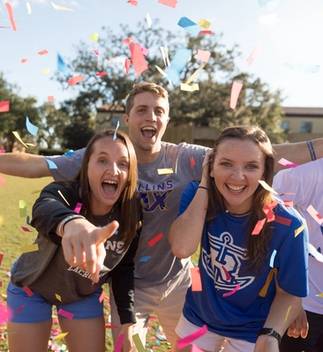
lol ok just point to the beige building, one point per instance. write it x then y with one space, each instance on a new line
299 123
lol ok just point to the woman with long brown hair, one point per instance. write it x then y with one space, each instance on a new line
253 260
103 197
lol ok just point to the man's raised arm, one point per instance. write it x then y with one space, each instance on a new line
24 165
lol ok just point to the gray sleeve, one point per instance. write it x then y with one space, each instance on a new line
67 166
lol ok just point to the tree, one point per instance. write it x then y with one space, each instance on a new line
207 107
15 118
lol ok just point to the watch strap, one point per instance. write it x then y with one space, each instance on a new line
270 332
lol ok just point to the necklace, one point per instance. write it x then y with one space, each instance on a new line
238 215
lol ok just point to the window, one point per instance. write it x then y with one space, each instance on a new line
306 127
285 125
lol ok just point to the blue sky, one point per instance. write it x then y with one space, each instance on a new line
288 34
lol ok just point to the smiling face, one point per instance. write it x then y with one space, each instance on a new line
147 122
107 173
238 166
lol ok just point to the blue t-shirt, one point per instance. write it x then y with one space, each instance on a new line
223 267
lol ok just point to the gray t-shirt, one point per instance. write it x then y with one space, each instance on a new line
160 197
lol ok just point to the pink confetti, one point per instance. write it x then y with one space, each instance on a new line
75 80
101 74
286 163
5 313
137 58
10 15
42 52
192 162
232 292
78 207
196 279
282 220
203 55
65 314
4 105
314 214
187 340
259 225
23 60
206 32
235 92
133 2
119 343
170 3
25 228
155 239
28 291
251 58
196 349
50 99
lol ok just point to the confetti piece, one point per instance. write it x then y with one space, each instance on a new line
287 313
251 58
187 340
1 257
160 70
101 73
203 23
69 153
94 37
153 241
103 296
25 228
78 208
16 134
28 291
50 99
148 20
282 220
299 230
178 63
286 163
288 203
263 291
165 171
10 15
51 164
61 65
272 258
28 8
196 279
119 343
170 3
314 214
192 162
195 74
32 129
196 349
22 208
75 80
30 248
60 336
4 105
258 227
60 8
315 253
235 92
203 55
45 71
133 2
164 52
138 343
189 87
320 295
5 313
58 297
115 131
42 52
138 60
65 314
23 60
144 258
265 185
65 200
185 22
232 292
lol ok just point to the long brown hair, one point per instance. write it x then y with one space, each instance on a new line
128 201
256 245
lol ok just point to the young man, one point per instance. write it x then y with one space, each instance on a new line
303 185
164 171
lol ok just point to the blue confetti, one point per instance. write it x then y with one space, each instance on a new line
69 153
51 164
144 258
32 129
61 65
179 61
185 22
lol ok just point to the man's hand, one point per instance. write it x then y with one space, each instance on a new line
83 244
299 327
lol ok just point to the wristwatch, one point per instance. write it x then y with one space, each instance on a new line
270 332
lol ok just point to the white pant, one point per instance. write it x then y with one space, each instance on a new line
212 342
165 300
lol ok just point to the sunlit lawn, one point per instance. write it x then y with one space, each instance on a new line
13 241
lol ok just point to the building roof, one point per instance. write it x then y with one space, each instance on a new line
302 111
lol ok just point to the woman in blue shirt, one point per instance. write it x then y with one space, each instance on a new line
253 261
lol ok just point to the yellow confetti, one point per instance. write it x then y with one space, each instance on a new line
94 37
160 70
287 313
189 87
58 297
16 134
195 74
166 171
4 296
320 295
266 186
22 208
60 336
203 23
45 71
30 248
138 343
299 230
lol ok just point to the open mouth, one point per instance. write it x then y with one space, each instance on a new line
109 186
148 132
235 189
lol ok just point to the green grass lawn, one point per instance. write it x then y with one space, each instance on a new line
13 241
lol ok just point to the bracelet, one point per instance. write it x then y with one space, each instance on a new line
203 187
270 332
61 225
311 150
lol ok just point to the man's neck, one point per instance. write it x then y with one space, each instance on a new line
147 156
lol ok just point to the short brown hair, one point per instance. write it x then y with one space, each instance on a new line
129 200
144 87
